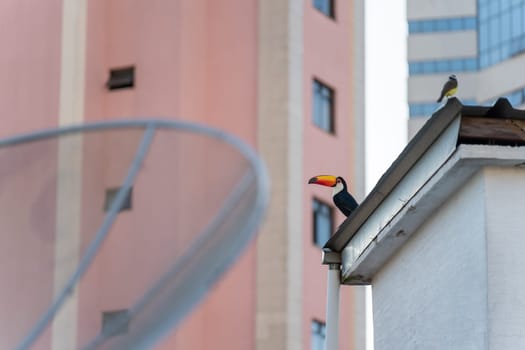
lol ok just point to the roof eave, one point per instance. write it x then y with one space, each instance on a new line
416 148
358 268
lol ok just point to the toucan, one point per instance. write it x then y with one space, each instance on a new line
342 199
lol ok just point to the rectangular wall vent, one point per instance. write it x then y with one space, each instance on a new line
121 78
111 193
115 322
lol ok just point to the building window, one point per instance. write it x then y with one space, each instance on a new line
115 322
325 6
121 78
318 335
322 222
323 106
111 193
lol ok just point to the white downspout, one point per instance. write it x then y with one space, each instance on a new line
333 260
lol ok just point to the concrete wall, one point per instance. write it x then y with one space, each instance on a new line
197 61
430 9
456 283
432 293
279 311
242 66
30 65
446 45
505 200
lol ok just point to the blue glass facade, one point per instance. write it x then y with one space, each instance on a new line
443 66
422 109
442 25
427 109
501 30
517 97
446 65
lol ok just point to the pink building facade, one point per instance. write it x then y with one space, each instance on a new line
246 67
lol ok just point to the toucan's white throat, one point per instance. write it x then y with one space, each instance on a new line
337 188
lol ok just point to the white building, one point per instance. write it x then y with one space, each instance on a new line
441 237
481 41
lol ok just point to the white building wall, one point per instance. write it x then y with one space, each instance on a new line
457 283
428 9
427 87
505 191
442 45
432 293
501 78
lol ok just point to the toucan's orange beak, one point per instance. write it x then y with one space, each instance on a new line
325 180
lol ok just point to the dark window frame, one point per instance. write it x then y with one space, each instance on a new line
317 333
318 206
115 322
326 7
323 94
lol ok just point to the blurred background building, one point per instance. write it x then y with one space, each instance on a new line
285 76
481 41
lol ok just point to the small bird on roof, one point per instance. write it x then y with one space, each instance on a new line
450 88
342 199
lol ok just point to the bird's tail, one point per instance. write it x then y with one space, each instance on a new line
440 98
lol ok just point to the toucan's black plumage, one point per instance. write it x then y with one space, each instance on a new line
343 200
